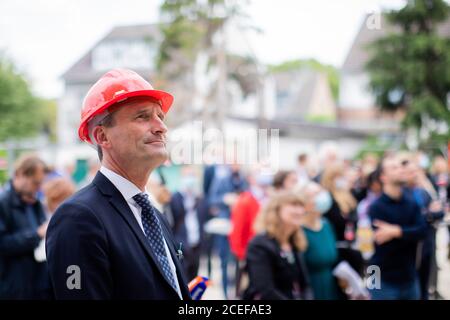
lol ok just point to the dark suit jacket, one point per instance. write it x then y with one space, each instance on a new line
96 230
179 213
21 276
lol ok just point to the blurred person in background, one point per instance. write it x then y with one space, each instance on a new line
160 194
420 190
55 192
275 262
246 209
399 226
364 231
243 215
302 169
342 214
328 156
227 184
22 226
188 220
93 167
321 255
285 180
440 180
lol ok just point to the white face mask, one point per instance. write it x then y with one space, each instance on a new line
341 183
323 202
424 162
189 183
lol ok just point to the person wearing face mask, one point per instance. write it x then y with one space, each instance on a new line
419 189
321 255
243 215
188 221
22 226
245 210
342 215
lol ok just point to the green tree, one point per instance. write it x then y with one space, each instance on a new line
48 109
194 43
188 26
410 69
19 109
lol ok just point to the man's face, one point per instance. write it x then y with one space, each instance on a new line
410 171
28 186
138 133
393 172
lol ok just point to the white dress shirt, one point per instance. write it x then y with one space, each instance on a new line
128 191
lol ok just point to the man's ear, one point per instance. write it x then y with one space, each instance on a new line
100 137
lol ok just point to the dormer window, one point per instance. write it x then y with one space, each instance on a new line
133 54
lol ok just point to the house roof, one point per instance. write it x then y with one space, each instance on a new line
82 70
308 130
299 87
358 56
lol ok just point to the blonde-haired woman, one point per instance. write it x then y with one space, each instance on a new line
342 215
275 263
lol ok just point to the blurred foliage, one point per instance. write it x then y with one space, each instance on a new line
331 71
320 118
188 27
375 146
49 111
3 166
22 114
19 109
194 42
410 69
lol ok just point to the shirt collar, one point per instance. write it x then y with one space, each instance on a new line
389 199
125 187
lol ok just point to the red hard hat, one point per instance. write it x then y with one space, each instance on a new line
116 86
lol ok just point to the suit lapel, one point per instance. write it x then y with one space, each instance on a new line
121 206
180 275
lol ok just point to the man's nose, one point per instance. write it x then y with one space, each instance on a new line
158 126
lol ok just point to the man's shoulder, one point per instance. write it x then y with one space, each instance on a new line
4 196
6 193
87 195
86 200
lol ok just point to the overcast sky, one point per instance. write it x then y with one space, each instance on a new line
45 37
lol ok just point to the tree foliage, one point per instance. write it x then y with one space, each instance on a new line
20 115
410 68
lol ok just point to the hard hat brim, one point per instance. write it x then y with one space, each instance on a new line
165 98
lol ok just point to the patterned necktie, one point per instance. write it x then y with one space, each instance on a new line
153 232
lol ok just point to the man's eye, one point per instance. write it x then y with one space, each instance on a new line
143 116
161 116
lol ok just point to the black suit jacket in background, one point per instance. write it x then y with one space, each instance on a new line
21 276
97 231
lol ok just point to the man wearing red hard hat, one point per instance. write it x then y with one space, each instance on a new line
108 241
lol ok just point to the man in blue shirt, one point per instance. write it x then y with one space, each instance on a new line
399 226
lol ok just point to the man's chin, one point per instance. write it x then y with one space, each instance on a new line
159 155
400 183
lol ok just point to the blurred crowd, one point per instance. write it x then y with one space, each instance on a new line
313 232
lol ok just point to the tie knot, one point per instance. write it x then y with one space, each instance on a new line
142 199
